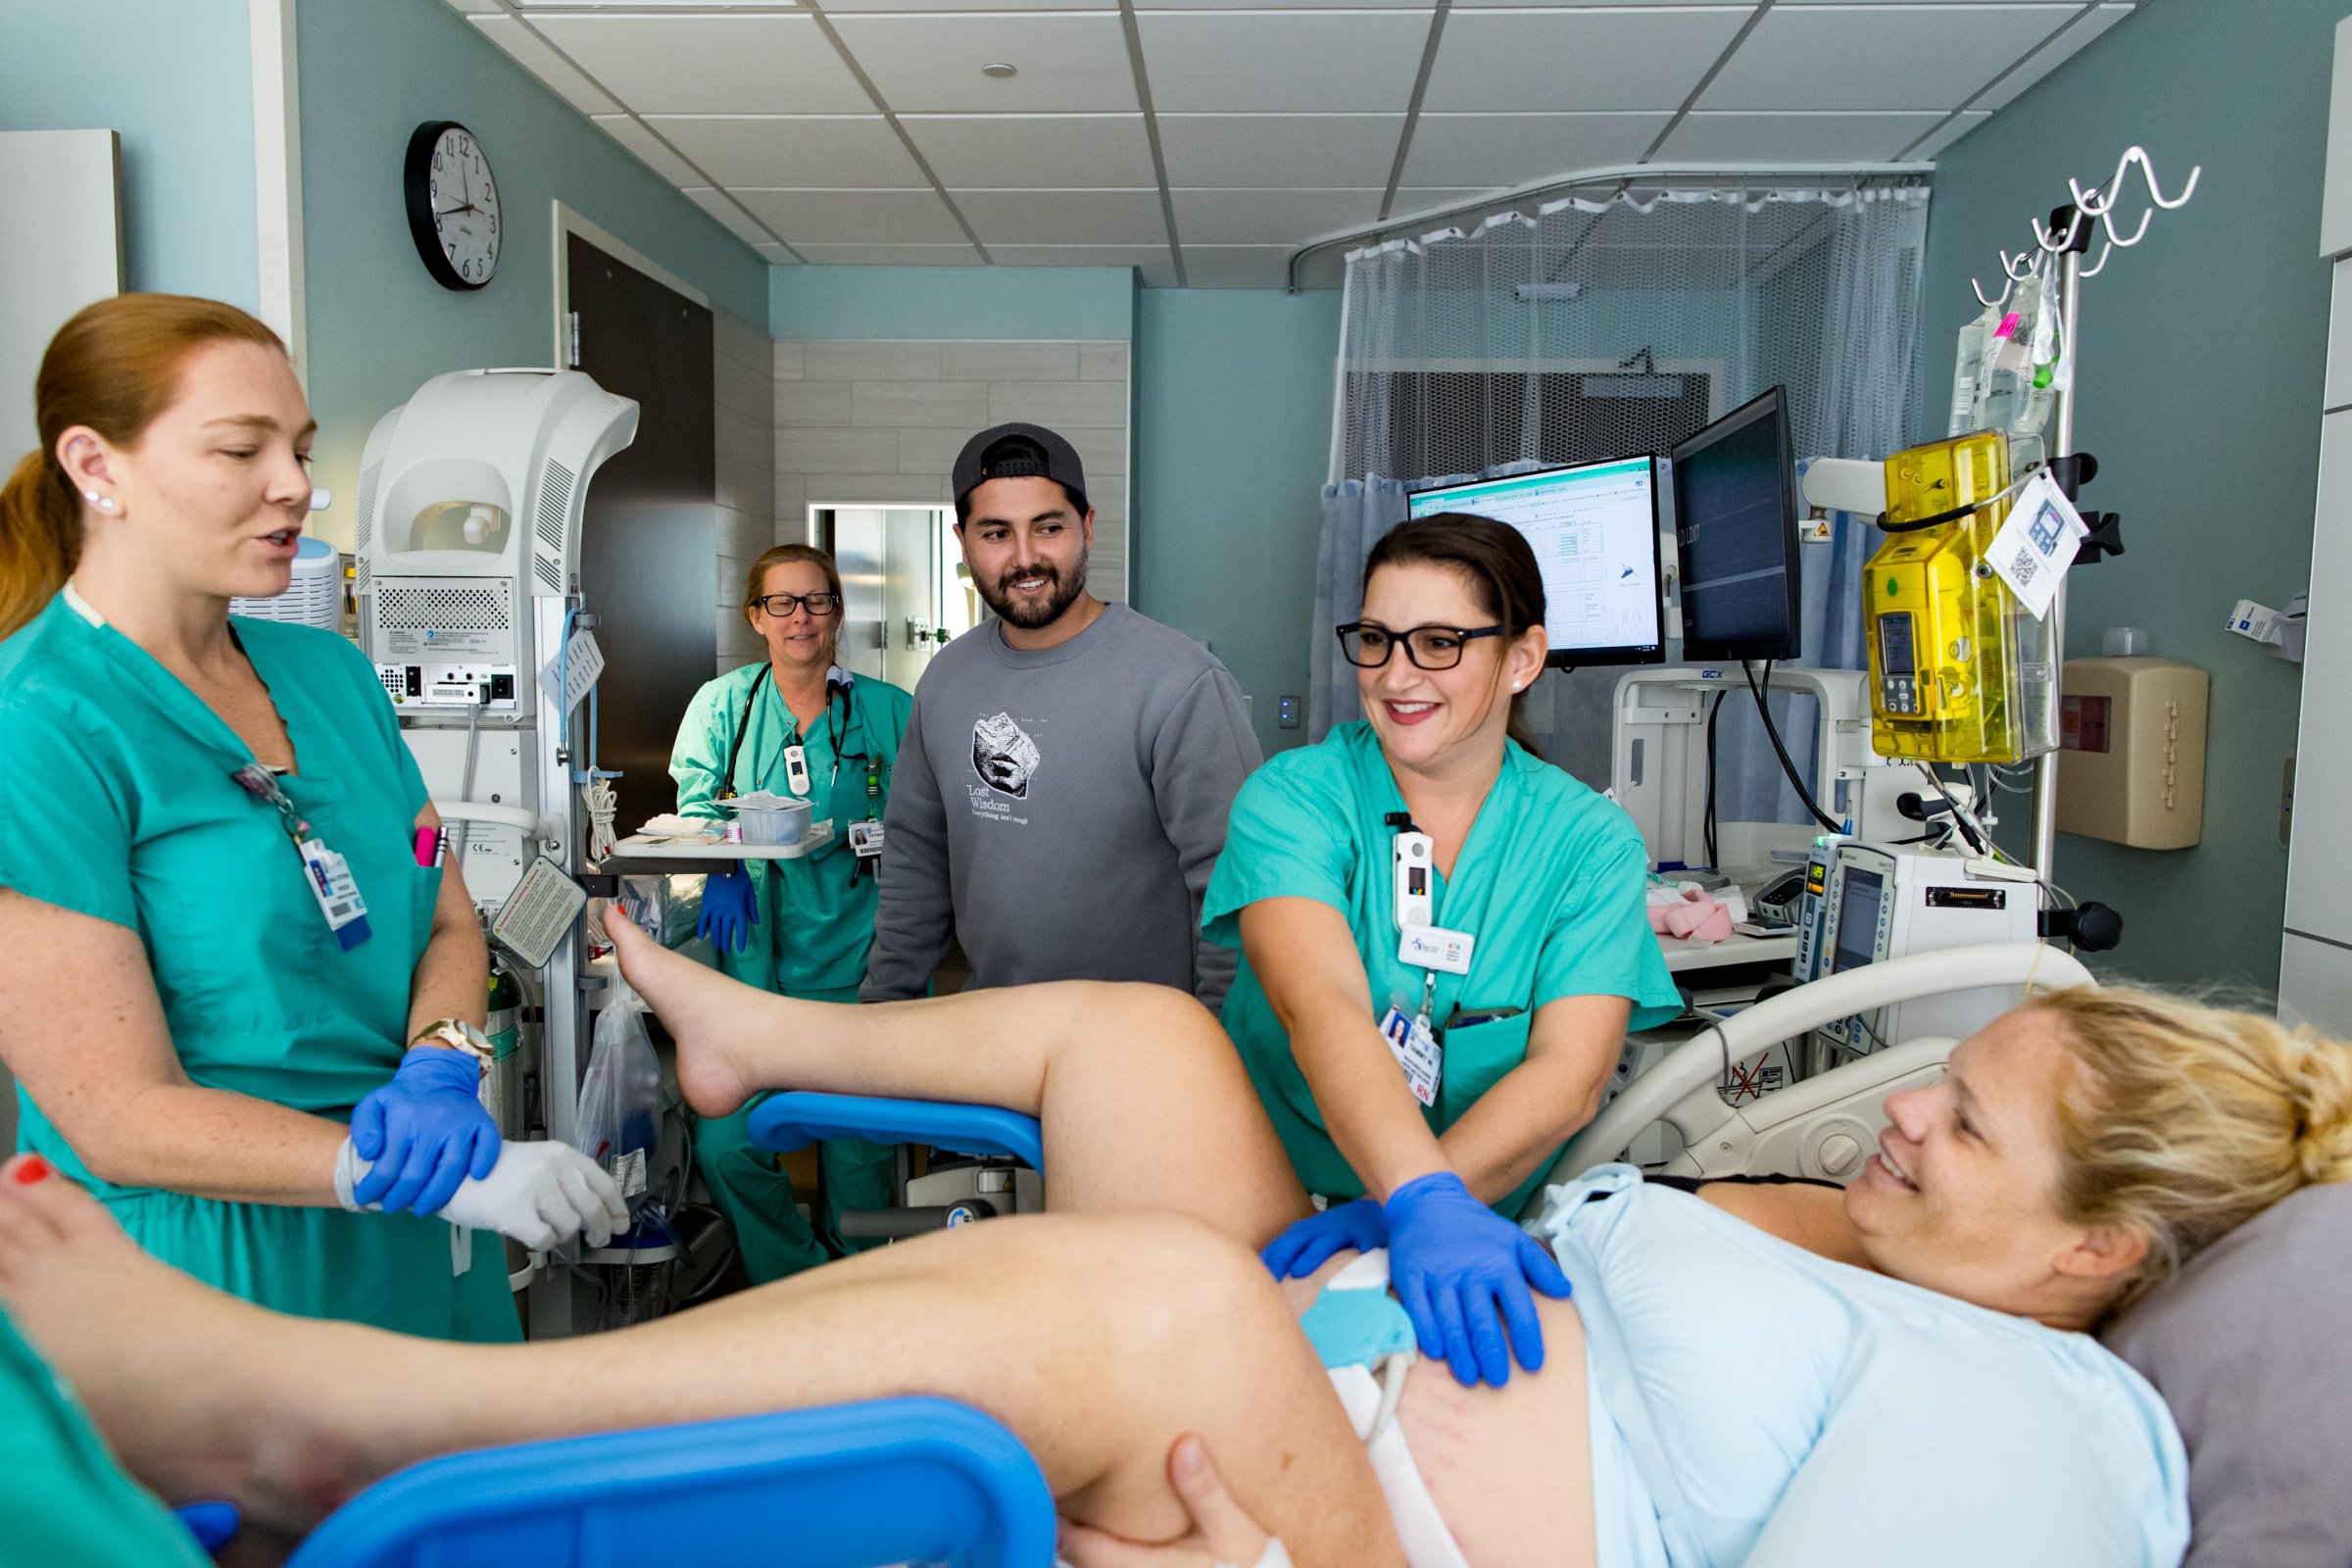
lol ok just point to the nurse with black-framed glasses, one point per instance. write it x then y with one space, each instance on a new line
1442 946
795 723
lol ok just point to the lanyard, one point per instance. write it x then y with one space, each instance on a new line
838 686
262 784
325 872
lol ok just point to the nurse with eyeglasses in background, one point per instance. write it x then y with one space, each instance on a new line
795 724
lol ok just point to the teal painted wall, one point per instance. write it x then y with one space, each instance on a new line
377 324
2200 375
950 302
1232 438
174 78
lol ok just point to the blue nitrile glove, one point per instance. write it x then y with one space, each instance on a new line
424 1132
730 910
1462 1271
1344 1227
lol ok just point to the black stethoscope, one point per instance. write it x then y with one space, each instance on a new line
840 699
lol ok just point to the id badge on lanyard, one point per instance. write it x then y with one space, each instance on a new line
325 872
1427 947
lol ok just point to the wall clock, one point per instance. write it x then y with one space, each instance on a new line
453 204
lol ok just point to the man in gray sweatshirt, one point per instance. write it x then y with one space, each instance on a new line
1061 795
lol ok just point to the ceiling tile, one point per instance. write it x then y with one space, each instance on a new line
485 7
1158 268
1889 57
711 65
931 64
1064 217
1269 217
891 255
2051 55
1439 200
717 204
1290 61
1524 149
534 56
1291 150
777 254
1034 151
1237 265
1797 139
1961 124
853 217
801 152
1422 6
655 154
1576 59
835 8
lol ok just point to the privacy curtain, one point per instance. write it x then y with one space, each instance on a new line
1598 327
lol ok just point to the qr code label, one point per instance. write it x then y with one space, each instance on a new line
2024 566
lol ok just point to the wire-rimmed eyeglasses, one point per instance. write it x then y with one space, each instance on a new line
782 604
1367 646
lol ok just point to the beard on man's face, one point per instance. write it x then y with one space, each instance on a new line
1031 612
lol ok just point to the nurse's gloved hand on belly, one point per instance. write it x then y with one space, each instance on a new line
540 1194
1306 1247
1462 1272
423 1132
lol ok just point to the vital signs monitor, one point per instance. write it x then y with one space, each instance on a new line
1595 531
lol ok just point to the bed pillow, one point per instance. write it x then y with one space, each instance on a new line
2248 1347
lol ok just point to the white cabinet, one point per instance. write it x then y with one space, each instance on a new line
2335 201
2338 393
2319 868
2314 965
2315 986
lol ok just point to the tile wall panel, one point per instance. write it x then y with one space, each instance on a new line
881 422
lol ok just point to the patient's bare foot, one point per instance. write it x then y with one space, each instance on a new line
201 1396
702 1009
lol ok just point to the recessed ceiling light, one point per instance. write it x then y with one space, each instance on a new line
998 70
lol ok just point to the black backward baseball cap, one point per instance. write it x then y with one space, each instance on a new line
1017 452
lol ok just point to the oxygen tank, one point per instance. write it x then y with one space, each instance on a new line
502 1087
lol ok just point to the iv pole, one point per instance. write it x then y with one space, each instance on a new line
2067 238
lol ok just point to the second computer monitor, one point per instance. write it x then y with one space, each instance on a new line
1735 529
1595 531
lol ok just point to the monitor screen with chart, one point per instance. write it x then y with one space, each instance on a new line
1595 531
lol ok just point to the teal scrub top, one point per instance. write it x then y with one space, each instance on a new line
121 806
1550 883
817 913
63 1495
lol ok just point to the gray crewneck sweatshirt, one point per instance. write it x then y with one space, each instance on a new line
1059 811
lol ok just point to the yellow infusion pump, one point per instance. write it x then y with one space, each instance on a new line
1961 671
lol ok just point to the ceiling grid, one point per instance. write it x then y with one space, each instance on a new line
1206 142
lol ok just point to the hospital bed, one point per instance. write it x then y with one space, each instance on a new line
930 1481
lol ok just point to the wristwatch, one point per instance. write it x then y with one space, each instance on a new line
456 1034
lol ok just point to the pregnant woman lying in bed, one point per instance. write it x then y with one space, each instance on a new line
1901 1378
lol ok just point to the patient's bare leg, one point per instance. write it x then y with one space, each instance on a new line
1098 1339
1144 1100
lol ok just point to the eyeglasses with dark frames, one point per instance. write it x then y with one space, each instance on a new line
782 604
1367 645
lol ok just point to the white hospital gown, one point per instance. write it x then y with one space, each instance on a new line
1755 1403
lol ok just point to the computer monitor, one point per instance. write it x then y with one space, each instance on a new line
1735 530
1593 527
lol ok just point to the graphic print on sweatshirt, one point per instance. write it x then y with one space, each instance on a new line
1004 756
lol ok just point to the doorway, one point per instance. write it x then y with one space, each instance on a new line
904 590
649 555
